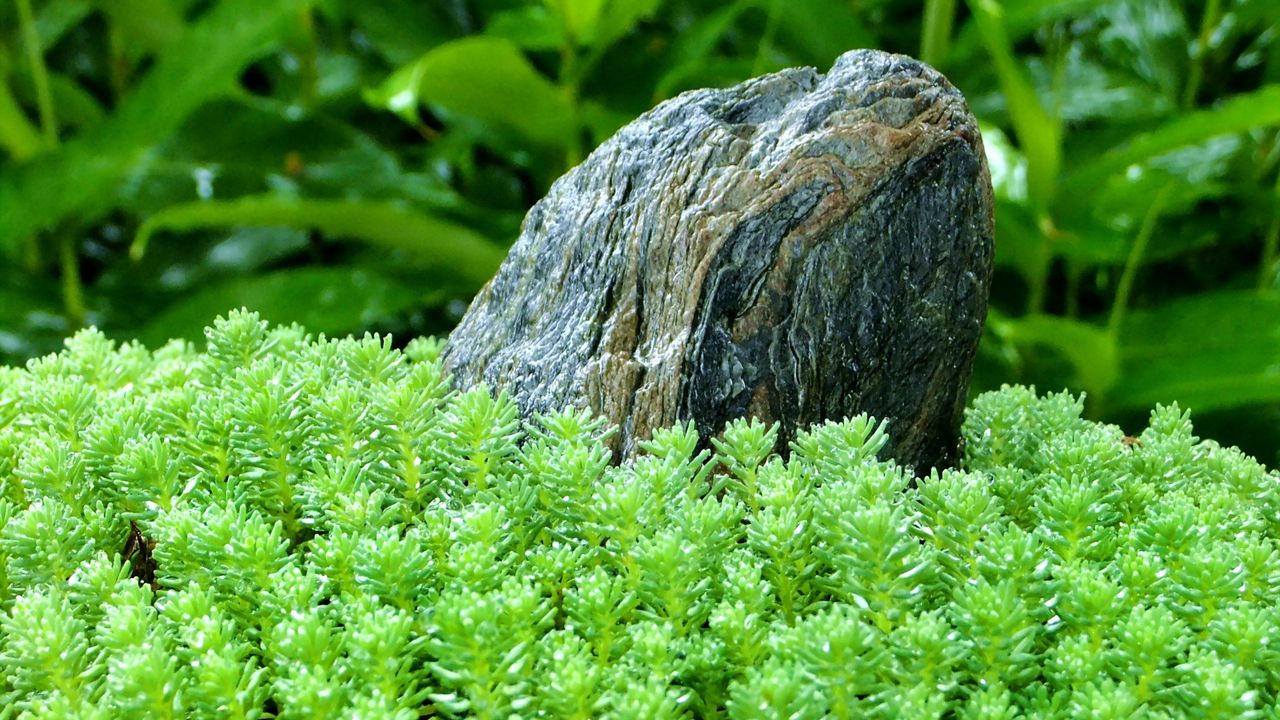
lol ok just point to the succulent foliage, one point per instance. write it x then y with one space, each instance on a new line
298 527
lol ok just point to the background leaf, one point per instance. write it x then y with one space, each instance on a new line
1260 108
18 135
431 240
1090 349
1211 351
406 140
1039 134
530 28
80 177
486 78
334 301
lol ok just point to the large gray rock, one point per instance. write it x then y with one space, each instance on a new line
797 248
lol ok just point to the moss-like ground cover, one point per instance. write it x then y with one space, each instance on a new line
292 527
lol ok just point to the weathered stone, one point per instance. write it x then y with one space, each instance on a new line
797 248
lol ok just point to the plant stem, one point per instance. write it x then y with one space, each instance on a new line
935 34
766 40
1209 21
1074 271
117 61
569 83
1125 287
72 293
310 72
1038 278
39 74
1271 245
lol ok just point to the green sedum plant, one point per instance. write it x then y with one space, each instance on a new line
298 527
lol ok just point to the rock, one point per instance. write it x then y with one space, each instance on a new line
797 248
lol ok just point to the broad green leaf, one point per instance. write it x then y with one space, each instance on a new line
81 178
1260 108
430 239
169 269
1206 163
1088 348
1039 133
1250 13
487 78
337 78
326 300
1216 350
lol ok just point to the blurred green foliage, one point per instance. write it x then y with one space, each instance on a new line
363 165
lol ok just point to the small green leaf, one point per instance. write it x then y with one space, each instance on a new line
334 301
1246 111
486 78
429 238
1215 350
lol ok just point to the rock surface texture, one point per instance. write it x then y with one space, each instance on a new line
800 247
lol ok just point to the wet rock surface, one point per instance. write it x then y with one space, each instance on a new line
799 247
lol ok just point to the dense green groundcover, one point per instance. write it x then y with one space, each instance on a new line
323 528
